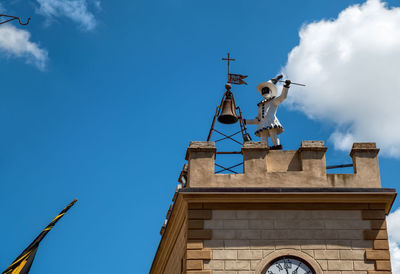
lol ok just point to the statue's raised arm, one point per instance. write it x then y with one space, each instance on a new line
284 93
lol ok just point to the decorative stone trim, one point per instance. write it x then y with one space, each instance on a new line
378 234
196 254
288 252
364 148
312 146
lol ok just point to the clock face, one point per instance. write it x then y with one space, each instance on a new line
288 265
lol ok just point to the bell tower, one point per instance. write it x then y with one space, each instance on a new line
283 214
280 212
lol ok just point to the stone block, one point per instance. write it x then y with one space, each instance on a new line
254 264
324 234
381 244
373 214
336 214
266 252
224 214
261 224
237 265
375 234
194 264
254 214
214 265
224 254
199 254
199 234
236 224
323 264
199 214
338 244
297 234
223 234
347 224
377 254
237 244
326 254
299 224
383 265
195 224
248 234
363 265
352 254
287 244
275 234
249 254
214 244
340 265
312 244
351 234
198 272
361 244
262 244
214 224
194 245
378 224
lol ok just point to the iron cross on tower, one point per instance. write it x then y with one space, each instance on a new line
228 59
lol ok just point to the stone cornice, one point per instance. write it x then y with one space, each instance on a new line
286 198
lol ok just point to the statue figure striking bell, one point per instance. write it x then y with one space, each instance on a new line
267 123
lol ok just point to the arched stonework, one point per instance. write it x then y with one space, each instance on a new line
288 252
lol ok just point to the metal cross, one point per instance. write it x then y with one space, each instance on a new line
228 59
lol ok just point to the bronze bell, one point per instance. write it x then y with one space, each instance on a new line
228 110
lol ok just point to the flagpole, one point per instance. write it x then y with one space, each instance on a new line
27 252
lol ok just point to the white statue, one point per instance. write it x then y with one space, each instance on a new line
267 123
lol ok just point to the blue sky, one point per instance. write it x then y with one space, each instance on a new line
102 105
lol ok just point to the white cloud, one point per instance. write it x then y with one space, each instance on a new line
76 10
393 221
351 67
16 42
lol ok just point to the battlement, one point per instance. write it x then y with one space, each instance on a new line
305 167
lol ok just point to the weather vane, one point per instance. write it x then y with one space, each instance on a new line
11 18
236 79
228 113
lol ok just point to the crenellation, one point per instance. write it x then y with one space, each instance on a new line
262 167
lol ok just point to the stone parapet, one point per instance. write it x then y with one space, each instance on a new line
262 167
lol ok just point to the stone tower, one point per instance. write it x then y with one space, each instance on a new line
284 214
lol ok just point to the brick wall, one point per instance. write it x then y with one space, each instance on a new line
174 264
336 240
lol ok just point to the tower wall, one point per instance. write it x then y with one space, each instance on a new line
283 204
334 240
